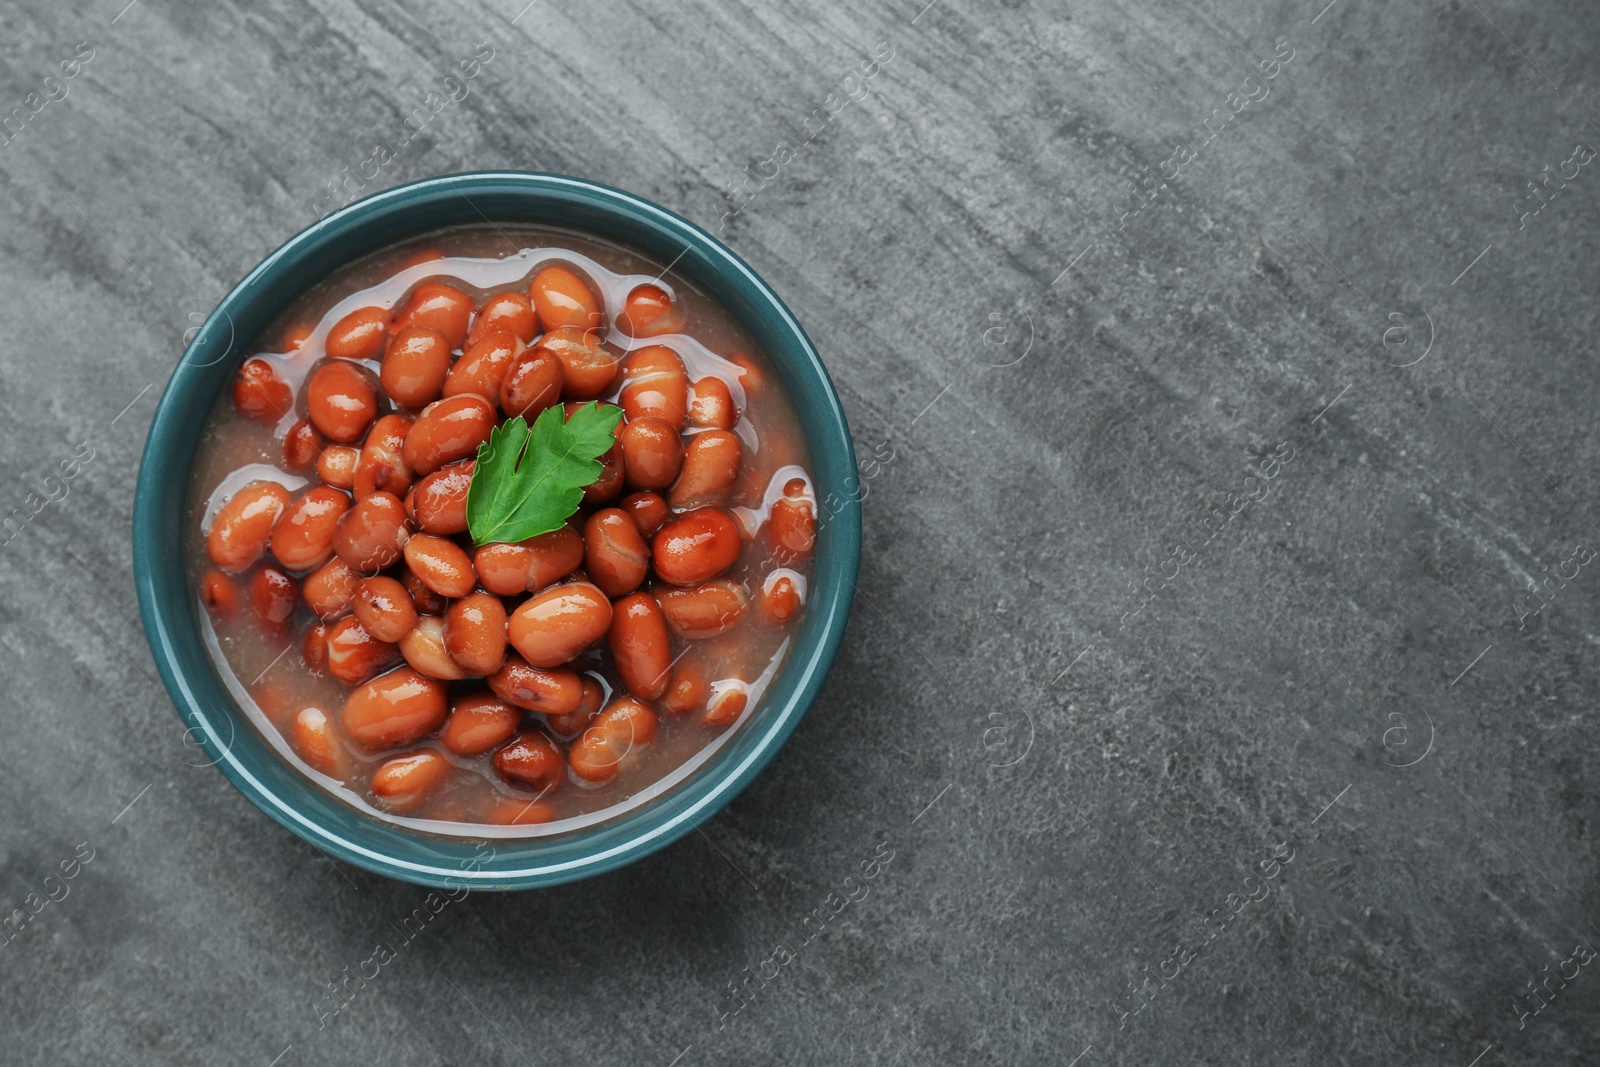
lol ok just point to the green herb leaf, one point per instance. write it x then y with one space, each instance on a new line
530 481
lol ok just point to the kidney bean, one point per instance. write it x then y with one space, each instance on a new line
649 311
427 601
442 565
515 811
296 336
532 383
329 589
576 721
552 627
503 567
475 633
337 466
597 755
438 307
354 655
405 782
554 691
239 533
314 648
640 645
260 393
439 502
554 556
727 701
483 366
615 554
415 366
395 709
371 535
648 511
793 522
341 400
751 376
273 594
477 723
424 649
382 466
712 406
587 369
779 599
710 469
218 593
562 298
302 445
302 538
695 547
511 312
359 335
532 761
448 430
707 610
655 383
316 740
688 690
652 452
384 608
612 477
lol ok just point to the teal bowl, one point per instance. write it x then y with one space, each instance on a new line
170 608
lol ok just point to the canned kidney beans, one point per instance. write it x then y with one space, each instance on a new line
454 686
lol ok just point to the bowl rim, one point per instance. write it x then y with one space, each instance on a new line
168 625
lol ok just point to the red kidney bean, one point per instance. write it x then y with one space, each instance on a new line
302 445
329 589
302 538
395 709
442 565
712 406
218 593
612 477
427 601
710 469
652 452
371 535
439 502
316 740
511 312
238 534
438 307
475 633
337 466
503 568
688 690
359 335
597 755
532 383
562 298
273 594
655 383
751 376
482 367
552 627
477 723
314 648
707 610
793 523
354 655
382 466
649 511
405 782
384 608
641 646
577 720
779 599
615 554
532 761
517 811
415 366
448 430
696 547
727 702
341 400
649 312
260 393
554 691
424 649
587 369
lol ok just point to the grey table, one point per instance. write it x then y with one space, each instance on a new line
1221 685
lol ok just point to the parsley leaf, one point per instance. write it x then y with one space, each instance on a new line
530 481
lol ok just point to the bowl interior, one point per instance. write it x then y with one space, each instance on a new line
221 731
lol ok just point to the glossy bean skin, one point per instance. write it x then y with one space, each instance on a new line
448 430
438 307
395 709
477 723
425 650
483 366
475 633
260 393
415 365
649 511
710 470
239 533
652 452
552 691
533 382
354 655
552 627
562 298
302 446
404 782
341 400
511 312
302 538
707 610
381 467
427 601
712 407
372 534
654 383
615 555
532 761
649 311
442 565
780 598
329 589
554 555
384 608
793 523
726 703
696 547
219 594
337 466
503 568
688 690
587 369
597 755
359 335
273 594
612 478
438 504
578 719
640 645
316 740
314 648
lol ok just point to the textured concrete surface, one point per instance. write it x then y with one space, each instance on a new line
1151 759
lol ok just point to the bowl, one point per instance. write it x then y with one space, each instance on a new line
169 607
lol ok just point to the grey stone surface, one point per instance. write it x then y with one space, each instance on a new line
1070 775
